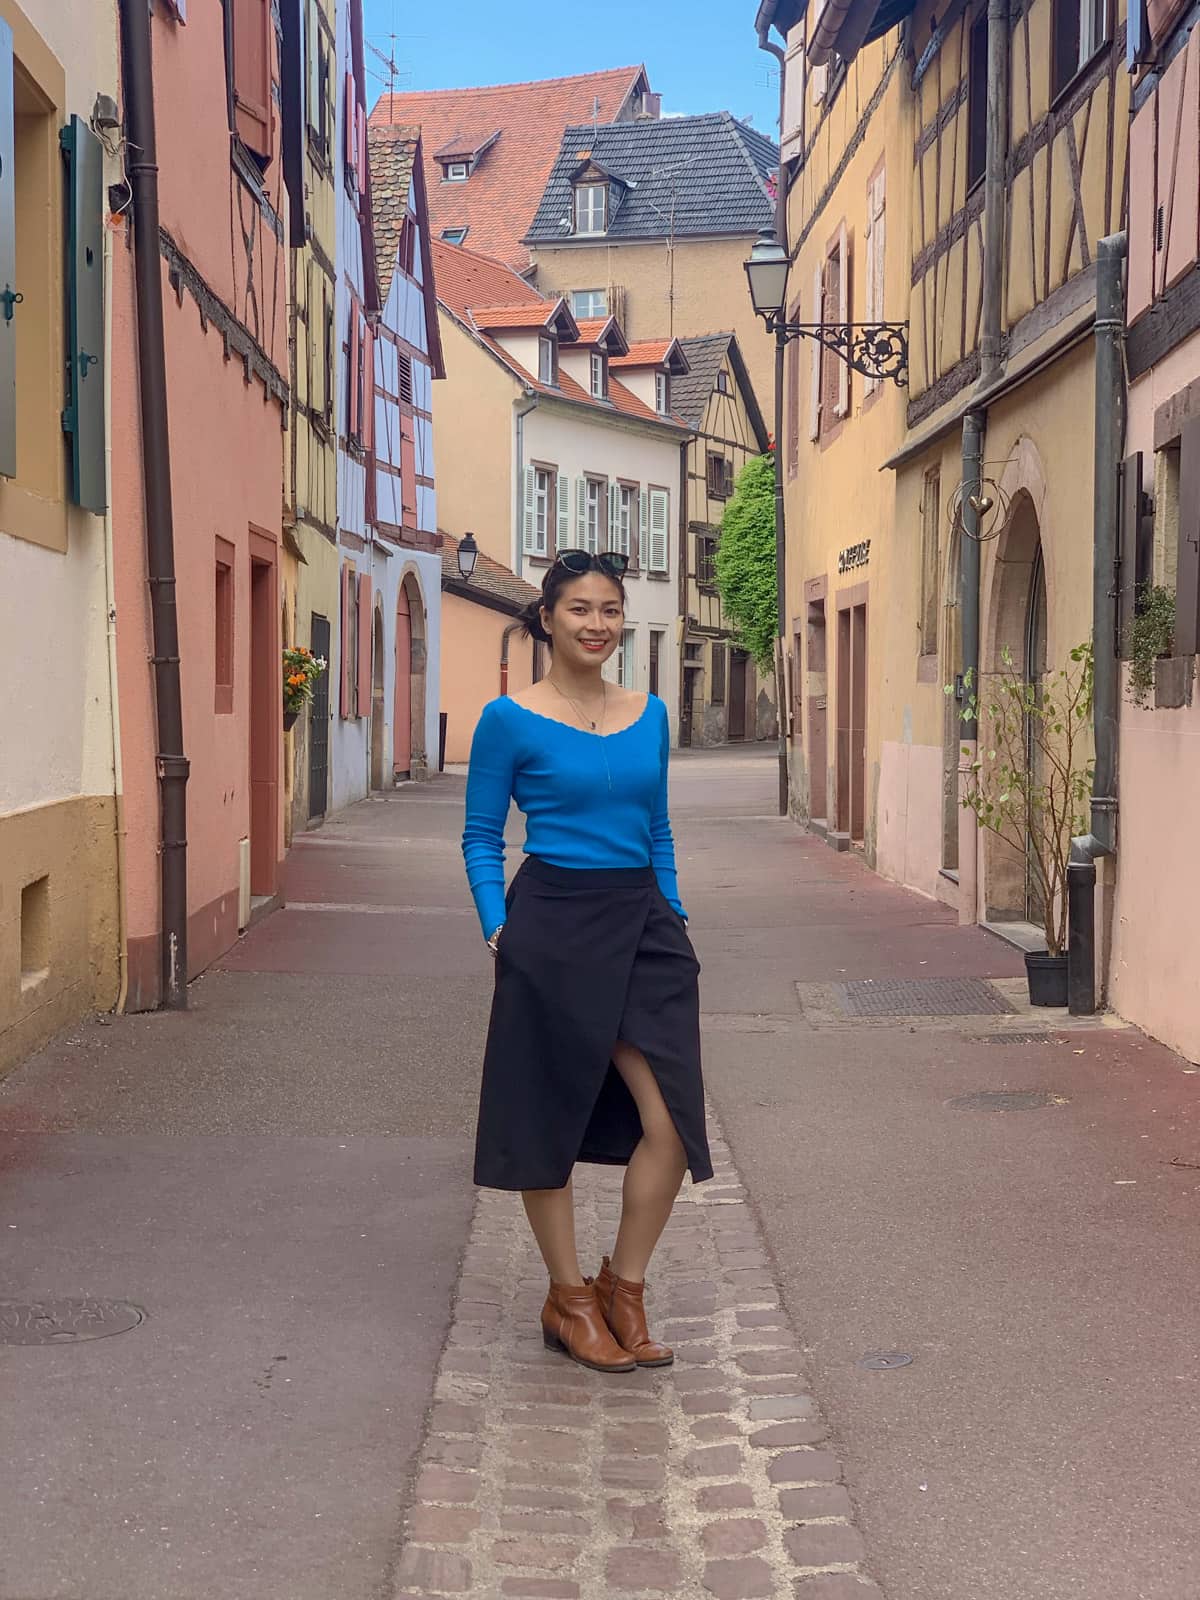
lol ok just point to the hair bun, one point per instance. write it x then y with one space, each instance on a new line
531 622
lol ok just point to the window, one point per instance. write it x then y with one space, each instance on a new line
662 394
656 639
349 696
723 381
717 693
545 497
625 658
595 496
1081 27
223 629
586 303
931 511
977 77
876 248
320 118
706 560
591 208
658 544
35 932
833 292
543 492
548 360
253 48
454 235
720 475
456 171
627 502
599 375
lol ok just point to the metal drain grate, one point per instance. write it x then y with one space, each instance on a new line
1014 1038
922 997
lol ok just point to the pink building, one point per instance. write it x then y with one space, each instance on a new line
1151 974
223 251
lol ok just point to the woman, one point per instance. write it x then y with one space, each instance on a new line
593 1052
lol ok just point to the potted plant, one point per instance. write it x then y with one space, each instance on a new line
1030 784
301 669
1150 638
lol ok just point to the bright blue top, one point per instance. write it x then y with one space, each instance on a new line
590 800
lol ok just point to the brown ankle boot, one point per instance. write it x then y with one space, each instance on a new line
621 1303
572 1323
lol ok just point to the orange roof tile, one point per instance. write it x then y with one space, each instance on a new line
527 316
646 353
497 202
467 278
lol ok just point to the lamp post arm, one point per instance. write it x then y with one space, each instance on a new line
874 349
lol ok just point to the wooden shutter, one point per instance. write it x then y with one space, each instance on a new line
660 515
368 386
360 148
1132 549
876 238
562 509
843 316
350 125
814 393
1187 578
83 418
8 262
791 414
581 512
643 528
792 132
253 38
528 519
365 637
408 471
352 371
347 606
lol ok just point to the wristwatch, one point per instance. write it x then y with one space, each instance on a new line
493 943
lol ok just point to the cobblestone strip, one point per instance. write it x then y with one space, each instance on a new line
540 1480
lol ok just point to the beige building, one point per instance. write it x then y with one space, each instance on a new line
898 187
60 772
651 221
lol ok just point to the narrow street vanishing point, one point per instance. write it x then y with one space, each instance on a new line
935 1316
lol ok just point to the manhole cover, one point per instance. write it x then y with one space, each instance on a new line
1003 1100
65 1321
885 1360
922 997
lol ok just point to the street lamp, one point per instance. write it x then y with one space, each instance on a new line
876 349
468 555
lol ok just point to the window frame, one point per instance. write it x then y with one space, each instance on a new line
723 381
548 360
549 508
224 621
579 212
720 484
662 393
1062 80
451 168
454 235
585 313
706 559
629 501
627 657
977 78
598 365
595 499
931 512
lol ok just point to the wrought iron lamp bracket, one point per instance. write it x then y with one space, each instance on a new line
877 350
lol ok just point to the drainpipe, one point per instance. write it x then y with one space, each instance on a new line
1109 447
110 607
172 765
522 413
995 186
512 628
974 427
765 19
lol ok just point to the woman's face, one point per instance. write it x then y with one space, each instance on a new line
585 625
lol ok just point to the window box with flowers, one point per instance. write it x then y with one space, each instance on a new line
301 669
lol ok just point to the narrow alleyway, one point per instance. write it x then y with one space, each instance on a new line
338 1391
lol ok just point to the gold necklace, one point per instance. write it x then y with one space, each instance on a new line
579 712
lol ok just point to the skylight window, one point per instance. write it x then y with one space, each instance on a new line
454 235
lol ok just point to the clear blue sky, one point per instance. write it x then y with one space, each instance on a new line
702 55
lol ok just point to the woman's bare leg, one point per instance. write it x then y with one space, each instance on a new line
654 1173
551 1214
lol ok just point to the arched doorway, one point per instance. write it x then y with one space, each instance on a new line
1018 629
410 758
377 706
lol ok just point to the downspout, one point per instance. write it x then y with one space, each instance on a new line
991 353
765 18
110 606
1108 450
512 628
519 538
172 765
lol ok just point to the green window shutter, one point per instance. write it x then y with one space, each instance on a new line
643 555
581 512
8 263
530 530
562 501
83 418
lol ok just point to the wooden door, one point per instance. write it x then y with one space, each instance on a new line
737 694
318 722
402 715
265 726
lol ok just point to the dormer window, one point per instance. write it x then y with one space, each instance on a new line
662 394
548 360
599 375
456 171
591 208
454 235
722 382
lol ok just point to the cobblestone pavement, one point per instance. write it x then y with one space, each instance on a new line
539 1478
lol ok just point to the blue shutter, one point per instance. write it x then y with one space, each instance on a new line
83 418
8 263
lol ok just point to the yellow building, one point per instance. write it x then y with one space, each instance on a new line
310 562
897 183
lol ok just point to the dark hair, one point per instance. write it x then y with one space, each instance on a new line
556 580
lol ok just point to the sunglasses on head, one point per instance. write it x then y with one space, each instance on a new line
613 563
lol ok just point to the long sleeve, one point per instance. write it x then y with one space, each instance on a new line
662 842
489 789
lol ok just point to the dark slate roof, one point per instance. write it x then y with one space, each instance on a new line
713 167
690 393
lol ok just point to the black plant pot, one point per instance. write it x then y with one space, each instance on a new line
290 719
1047 977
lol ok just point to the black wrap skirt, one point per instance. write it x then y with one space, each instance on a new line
587 959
